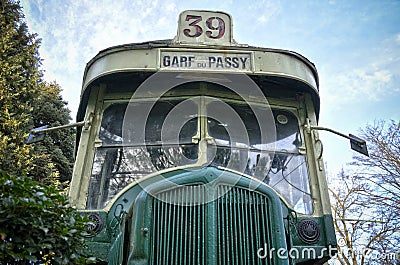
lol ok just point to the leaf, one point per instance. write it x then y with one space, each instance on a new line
39 193
44 229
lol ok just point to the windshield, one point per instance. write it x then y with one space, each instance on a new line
118 163
279 164
167 138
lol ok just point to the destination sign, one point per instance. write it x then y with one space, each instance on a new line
215 61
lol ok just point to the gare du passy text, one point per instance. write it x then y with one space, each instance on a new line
212 62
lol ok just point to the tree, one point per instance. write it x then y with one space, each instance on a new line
366 204
381 170
58 146
18 84
363 230
37 226
27 101
381 173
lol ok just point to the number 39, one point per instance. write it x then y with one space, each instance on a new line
212 32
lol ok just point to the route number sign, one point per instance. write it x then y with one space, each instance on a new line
204 27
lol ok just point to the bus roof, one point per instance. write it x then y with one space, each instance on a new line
147 57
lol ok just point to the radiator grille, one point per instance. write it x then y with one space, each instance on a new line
243 226
179 227
228 230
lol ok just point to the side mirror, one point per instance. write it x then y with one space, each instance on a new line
358 145
36 135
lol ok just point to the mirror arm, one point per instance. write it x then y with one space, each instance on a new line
357 144
38 134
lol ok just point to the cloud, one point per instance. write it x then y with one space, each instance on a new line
365 83
264 10
72 32
373 78
362 83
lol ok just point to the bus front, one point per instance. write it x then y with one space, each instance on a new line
197 152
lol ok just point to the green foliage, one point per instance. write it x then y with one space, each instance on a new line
26 101
37 226
50 109
18 79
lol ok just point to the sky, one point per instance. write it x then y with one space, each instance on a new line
355 46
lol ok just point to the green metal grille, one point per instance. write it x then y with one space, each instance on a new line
179 227
228 230
243 226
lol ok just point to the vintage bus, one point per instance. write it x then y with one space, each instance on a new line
201 150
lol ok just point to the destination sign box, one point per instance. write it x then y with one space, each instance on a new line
214 61
204 27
